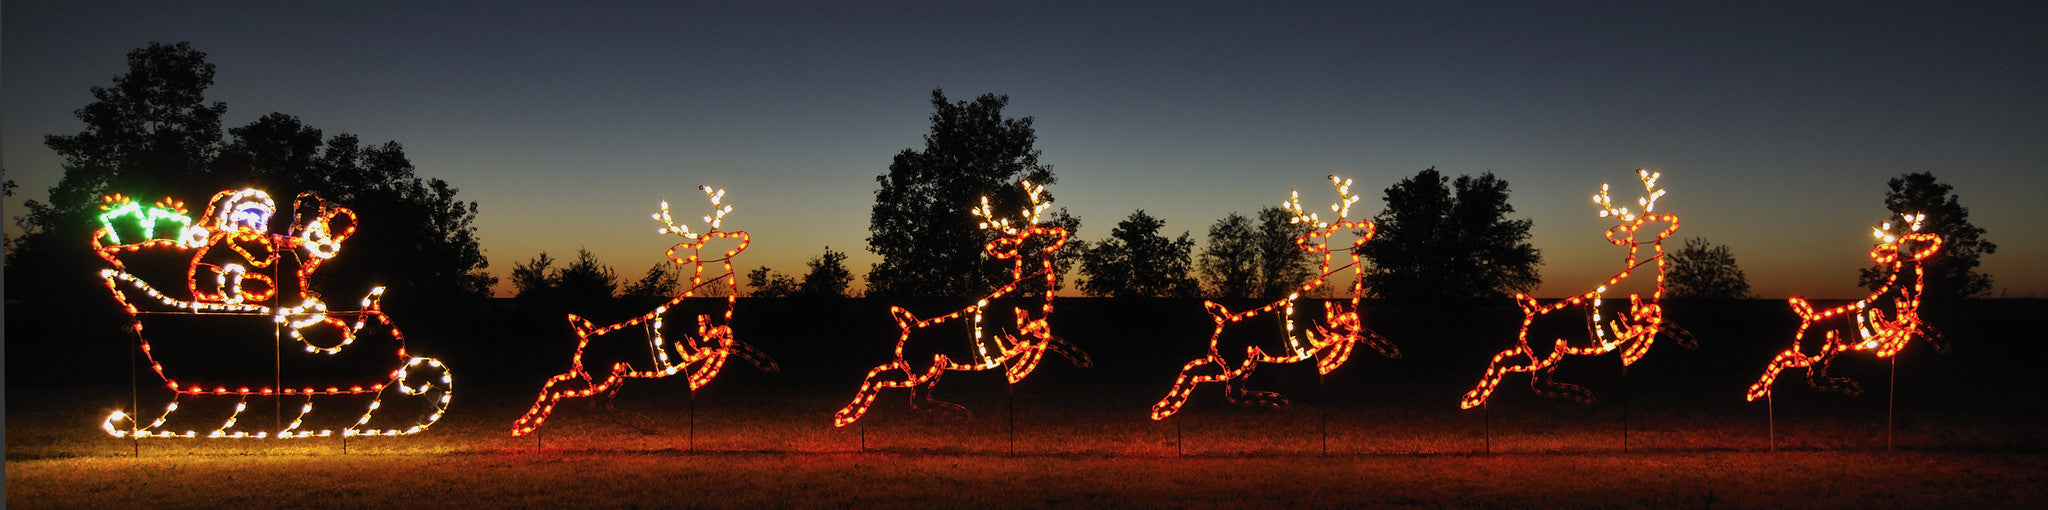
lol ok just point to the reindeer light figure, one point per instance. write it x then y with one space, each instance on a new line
707 347
230 261
1864 325
1016 349
1330 342
1631 333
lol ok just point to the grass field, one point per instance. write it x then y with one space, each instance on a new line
1969 431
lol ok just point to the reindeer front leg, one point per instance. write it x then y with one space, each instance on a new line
1934 338
754 356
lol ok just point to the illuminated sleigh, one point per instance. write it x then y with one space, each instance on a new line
212 318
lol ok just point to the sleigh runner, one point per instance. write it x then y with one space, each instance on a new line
221 325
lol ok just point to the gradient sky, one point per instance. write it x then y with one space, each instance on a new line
1775 127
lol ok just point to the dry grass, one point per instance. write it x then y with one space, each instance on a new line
1969 433
804 480
752 451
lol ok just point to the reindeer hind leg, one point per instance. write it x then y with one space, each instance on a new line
1234 390
891 375
1791 358
1503 363
921 396
1191 375
1817 376
1544 383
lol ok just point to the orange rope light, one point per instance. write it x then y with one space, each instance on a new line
1631 333
1017 352
226 255
1864 325
1330 342
707 347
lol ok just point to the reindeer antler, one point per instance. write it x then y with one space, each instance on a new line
718 212
1884 233
1342 206
988 213
1648 201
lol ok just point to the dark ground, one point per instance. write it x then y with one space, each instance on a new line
1969 425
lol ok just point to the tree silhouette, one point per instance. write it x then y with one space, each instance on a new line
1952 273
1705 271
535 277
1136 261
828 276
1450 241
1283 265
767 283
661 283
585 286
1230 263
586 282
920 225
152 134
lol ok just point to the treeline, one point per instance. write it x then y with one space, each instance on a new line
153 134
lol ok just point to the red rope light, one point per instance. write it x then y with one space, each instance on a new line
1631 333
226 253
1330 342
1017 354
707 348
1864 325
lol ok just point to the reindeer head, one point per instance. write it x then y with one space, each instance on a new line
1630 224
1014 238
695 241
1913 245
1317 240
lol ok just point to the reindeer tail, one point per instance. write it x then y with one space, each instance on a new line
1803 308
1217 311
904 318
582 326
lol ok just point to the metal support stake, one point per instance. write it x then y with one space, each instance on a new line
1771 404
1891 404
277 364
1323 413
693 419
1177 451
1624 408
1487 414
134 397
1010 405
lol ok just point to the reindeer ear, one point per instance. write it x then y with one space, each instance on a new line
1003 247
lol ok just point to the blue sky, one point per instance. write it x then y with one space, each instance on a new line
1775 127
